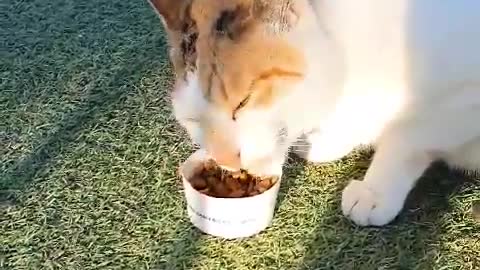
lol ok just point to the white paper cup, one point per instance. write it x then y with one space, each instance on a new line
227 217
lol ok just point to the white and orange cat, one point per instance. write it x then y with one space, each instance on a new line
253 76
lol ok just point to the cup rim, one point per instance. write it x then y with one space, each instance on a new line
201 152
265 193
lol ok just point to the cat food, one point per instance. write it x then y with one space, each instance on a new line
213 181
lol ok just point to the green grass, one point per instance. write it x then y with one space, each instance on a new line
88 157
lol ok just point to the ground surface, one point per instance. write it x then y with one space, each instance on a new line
89 150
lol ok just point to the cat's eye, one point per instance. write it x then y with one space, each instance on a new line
240 106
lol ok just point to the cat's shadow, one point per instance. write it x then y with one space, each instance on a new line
407 240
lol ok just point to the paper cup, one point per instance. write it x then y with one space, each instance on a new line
227 217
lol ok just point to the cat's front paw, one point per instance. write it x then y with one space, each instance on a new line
365 206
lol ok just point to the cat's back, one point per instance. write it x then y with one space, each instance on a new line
443 41
431 45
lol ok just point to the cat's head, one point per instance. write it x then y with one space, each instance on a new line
235 68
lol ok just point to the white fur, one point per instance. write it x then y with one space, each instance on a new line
188 104
403 75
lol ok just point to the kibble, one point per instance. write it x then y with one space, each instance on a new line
213 181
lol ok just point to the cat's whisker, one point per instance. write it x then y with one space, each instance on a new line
301 151
300 144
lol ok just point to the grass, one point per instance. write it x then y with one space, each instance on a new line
89 150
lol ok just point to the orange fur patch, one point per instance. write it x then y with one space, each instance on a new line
236 56
252 63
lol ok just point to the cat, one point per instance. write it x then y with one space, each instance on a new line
254 76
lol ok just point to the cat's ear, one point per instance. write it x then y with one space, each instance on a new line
174 13
274 15
233 22
279 15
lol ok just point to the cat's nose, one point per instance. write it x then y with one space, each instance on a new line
227 159
223 150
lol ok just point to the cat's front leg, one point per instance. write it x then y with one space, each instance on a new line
379 198
326 146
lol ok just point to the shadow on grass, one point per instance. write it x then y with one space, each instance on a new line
100 100
100 30
24 170
182 248
409 242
